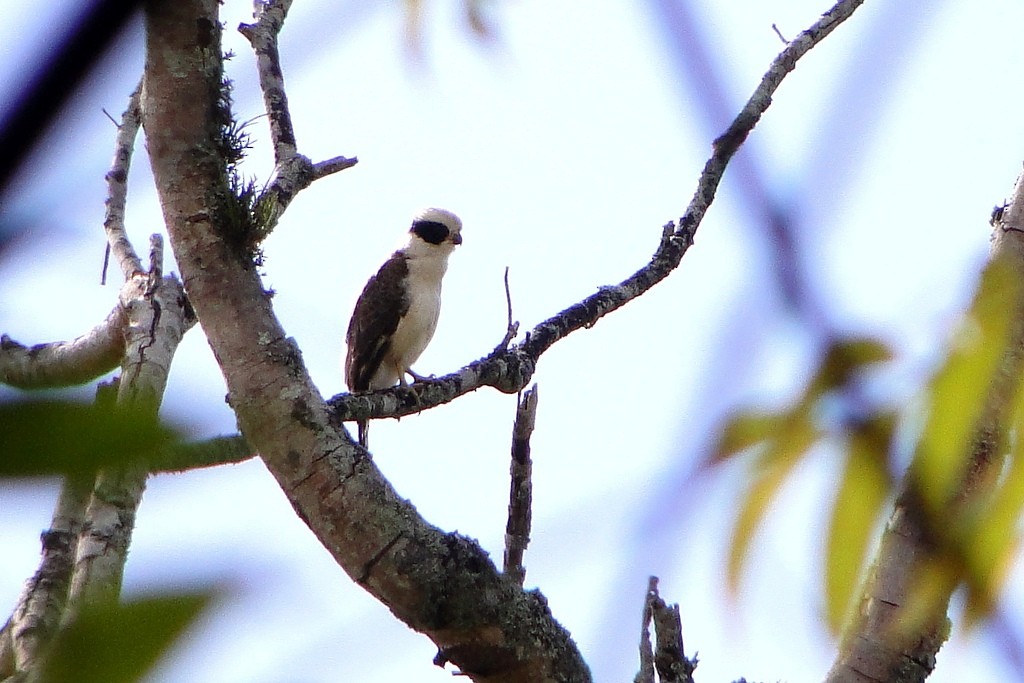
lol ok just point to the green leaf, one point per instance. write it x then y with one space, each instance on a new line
772 468
960 389
988 538
863 489
787 436
63 437
843 359
745 429
120 642
986 574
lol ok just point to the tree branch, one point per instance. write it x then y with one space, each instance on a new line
293 172
62 364
37 615
441 584
520 499
222 450
667 658
117 190
157 320
511 370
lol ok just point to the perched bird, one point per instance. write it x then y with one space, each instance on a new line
397 312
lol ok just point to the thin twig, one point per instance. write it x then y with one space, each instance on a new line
520 500
181 457
322 169
779 34
117 191
511 328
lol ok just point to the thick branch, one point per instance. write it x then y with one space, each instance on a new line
157 321
441 584
62 364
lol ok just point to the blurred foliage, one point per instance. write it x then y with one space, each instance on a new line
474 13
120 642
783 438
64 437
976 539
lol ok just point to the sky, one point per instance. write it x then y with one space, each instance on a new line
564 140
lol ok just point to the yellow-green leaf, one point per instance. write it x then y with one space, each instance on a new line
986 573
770 471
927 598
863 489
960 389
745 429
843 358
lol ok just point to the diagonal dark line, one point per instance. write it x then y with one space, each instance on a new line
58 79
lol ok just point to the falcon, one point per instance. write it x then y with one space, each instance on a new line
396 314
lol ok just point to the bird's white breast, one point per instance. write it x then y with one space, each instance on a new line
417 326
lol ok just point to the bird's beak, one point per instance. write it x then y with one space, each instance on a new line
457 238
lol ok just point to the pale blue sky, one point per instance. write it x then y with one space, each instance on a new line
564 143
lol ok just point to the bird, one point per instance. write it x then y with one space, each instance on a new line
396 314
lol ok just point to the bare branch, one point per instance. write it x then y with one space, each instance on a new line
62 364
520 499
262 36
158 319
667 658
37 615
156 262
293 172
511 370
222 450
322 169
443 585
117 190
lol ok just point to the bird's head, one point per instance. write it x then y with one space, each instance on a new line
435 230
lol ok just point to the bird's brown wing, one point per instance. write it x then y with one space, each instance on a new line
374 320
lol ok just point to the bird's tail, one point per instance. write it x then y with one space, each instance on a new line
364 432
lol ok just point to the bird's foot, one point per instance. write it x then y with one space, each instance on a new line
414 390
416 377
